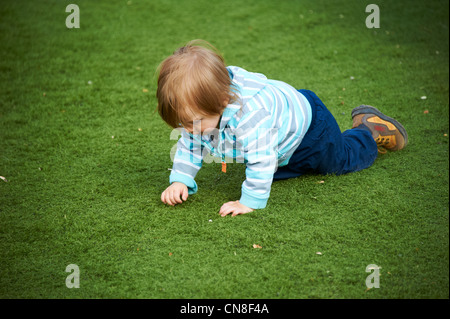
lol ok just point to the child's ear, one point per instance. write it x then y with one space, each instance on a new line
225 101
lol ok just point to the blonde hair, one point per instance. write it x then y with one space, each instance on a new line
192 81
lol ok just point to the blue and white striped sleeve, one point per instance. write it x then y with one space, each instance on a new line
259 143
187 161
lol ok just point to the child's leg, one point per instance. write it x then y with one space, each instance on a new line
325 149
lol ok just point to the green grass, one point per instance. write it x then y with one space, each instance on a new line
75 195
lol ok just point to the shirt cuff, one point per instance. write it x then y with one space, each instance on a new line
252 201
186 180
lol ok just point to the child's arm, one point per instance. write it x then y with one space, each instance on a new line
259 145
186 163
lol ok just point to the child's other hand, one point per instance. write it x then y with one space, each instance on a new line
235 208
176 193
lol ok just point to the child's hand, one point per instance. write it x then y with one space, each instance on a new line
234 207
176 193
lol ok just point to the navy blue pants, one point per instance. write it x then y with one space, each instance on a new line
327 150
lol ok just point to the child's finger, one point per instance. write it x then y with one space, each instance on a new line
184 195
167 199
172 198
222 209
177 197
225 213
226 206
226 209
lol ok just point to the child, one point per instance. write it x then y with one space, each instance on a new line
277 131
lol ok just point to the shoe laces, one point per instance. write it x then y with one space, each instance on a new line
382 142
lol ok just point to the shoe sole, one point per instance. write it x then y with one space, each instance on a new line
367 109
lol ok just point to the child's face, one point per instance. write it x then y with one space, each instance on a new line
203 124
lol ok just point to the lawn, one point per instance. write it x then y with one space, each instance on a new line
85 155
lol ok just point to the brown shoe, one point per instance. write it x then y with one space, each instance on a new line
387 132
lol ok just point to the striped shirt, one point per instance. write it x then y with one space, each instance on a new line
261 129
